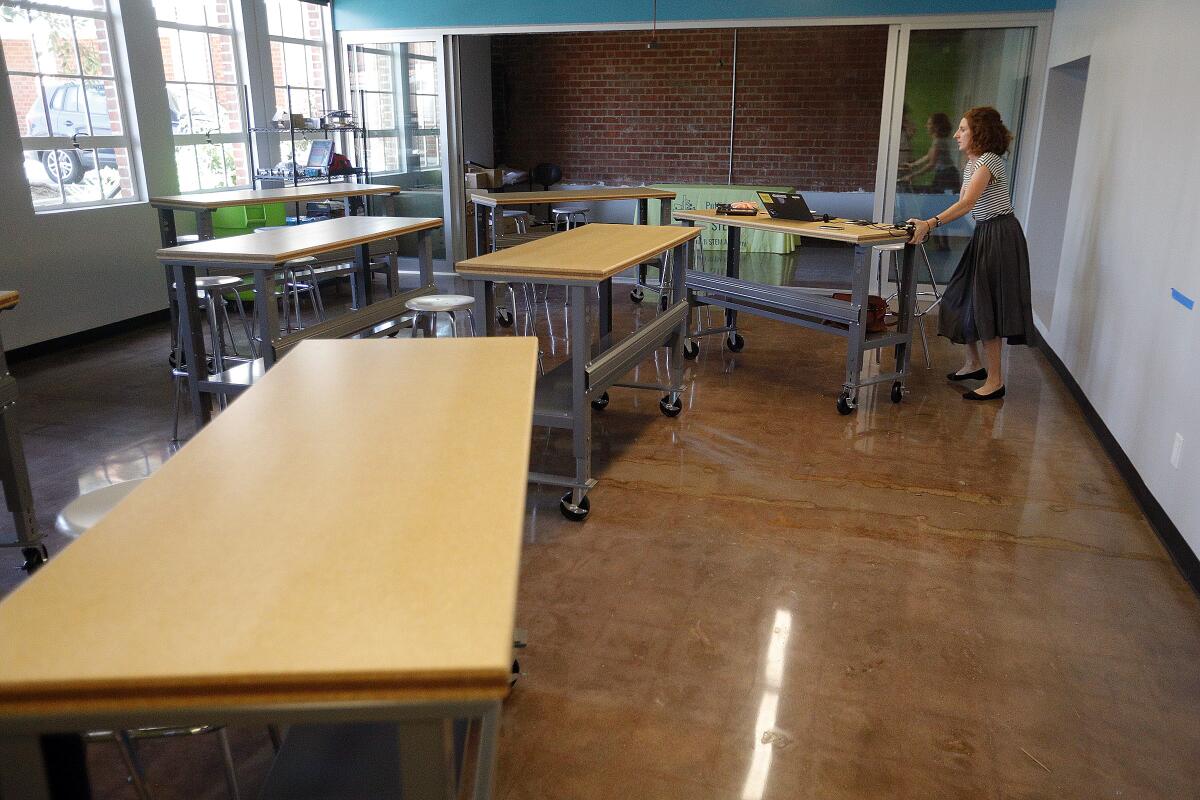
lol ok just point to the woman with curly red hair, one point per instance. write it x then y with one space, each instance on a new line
988 297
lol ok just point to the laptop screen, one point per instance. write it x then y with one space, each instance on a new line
320 154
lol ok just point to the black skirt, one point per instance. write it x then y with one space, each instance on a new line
988 296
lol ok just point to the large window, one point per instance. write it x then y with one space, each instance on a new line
297 33
204 92
394 87
68 101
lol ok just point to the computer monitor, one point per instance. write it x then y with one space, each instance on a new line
320 154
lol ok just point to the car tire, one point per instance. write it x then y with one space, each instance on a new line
64 162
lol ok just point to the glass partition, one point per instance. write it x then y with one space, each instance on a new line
949 72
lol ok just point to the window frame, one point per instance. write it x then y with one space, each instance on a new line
192 139
324 44
55 142
358 106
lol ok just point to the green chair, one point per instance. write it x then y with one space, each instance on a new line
236 220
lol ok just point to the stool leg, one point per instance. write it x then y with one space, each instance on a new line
125 748
470 322
241 309
230 772
416 323
177 382
454 323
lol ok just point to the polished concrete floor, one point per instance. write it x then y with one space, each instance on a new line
936 599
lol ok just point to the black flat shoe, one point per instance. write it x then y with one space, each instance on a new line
978 375
996 395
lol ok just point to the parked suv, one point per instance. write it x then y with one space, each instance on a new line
68 116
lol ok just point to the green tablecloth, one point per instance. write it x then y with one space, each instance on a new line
691 196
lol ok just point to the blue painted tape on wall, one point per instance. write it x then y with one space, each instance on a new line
1183 299
369 14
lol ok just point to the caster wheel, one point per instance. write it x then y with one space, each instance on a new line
897 392
844 406
691 349
601 402
572 512
669 408
516 674
35 557
504 318
663 302
636 296
735 343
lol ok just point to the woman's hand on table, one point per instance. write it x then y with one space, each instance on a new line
920 232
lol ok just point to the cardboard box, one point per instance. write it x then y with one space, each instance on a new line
478 180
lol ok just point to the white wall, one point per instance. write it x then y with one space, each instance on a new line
475 65
81 269
1129 236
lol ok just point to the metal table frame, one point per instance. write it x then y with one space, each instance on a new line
271 345
643 218
567 394
813 309
169 237
14 474
424 728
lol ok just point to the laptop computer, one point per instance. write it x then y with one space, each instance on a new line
781 205
320 154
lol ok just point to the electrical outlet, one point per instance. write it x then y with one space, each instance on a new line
1176 451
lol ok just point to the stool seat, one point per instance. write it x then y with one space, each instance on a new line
515 212
216 281
86 510
571 208
436 303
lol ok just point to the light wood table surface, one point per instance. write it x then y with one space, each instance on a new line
592 253
264 254
835 230
279 562
9 298
312 192
274 247
813 309
585 259
571 196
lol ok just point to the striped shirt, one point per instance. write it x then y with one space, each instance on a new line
995 200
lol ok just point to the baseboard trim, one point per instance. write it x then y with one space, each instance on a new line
1183 556
90 336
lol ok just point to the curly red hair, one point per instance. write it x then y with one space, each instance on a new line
988 134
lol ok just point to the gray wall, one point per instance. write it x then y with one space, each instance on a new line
1128 236
475 63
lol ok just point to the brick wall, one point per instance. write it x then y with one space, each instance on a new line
605 107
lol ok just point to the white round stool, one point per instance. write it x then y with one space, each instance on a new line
427 307
570 214
86 510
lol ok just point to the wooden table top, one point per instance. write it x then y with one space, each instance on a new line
9 298
285 194
572 196
287 553
267 248
834 230
591 252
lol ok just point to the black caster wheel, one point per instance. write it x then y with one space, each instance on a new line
897 392
516 674
844 406
636 296
601 402
667 407
504 318
35 557
735 343
691 350
574 513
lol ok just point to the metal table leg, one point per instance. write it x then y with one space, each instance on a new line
268 316
363 289
193 341
485 307
424 257
22 770
733 267
575 502
908 303
857 328
485 766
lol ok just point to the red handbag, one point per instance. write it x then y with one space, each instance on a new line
876 311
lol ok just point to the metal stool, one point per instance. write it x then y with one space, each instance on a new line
80 515
427 307
521 218
211 289
918 314
571 215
